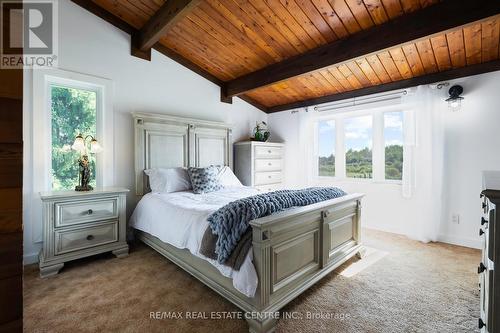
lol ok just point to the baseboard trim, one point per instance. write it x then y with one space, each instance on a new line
384 229
449 239
461 241
29 259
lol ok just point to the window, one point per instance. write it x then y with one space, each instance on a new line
326 148
73 111
393 137
358 143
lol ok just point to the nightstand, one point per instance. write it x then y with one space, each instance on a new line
81 224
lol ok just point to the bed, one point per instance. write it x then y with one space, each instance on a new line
291 250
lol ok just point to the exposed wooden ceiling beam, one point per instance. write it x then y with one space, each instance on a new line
168 15
403 84
436 18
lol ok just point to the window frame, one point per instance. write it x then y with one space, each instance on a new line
378 145
41 140
99 130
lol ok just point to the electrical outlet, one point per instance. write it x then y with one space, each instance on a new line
455 219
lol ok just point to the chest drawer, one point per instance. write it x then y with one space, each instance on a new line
82 238
269 187
268 164
268 152
81 212
263 178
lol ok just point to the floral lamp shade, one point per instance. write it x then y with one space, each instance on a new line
79 144
95 147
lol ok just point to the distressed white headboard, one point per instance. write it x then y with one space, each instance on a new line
163 141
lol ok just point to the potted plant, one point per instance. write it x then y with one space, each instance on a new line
260 132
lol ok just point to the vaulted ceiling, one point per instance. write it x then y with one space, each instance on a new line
283 54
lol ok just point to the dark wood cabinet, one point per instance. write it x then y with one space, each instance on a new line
11 178
489 275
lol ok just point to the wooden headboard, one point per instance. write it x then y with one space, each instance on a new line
163 141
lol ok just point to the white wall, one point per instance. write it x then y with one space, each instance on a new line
472 144
472 141
91 46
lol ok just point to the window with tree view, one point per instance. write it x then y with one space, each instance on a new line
326 148
393 136
358 143
73 111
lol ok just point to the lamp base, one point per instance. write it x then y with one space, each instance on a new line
83 188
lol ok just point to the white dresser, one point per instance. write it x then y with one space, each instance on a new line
80 224
259 164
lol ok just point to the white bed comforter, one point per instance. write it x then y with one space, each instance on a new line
180 219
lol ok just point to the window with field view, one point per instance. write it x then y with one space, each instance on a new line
393 137
358 146
326 148
73 111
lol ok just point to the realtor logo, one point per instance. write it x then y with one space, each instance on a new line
29 34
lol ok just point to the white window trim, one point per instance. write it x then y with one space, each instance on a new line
42 137
378 143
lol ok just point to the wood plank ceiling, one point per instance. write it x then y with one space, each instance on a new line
232 38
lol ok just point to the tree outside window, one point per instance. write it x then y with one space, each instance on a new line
73 111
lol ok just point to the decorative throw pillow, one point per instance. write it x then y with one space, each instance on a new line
227 178
168 180
204 180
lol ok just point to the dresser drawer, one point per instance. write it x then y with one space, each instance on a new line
269 187
87 211
263 178
268 164
83 238
268 152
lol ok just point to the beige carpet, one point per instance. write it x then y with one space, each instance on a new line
401 286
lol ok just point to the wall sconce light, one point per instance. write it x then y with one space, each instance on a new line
455 100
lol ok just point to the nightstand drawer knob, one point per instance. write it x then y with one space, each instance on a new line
483 221
481 232
90 211
481 323
481 268
90 237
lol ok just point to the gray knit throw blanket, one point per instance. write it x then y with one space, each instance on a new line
230 222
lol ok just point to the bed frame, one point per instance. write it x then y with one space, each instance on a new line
292 250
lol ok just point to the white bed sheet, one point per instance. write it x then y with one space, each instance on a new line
180 219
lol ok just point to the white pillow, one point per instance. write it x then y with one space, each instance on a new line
168 180
227 178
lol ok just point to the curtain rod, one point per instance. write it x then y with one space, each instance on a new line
363 100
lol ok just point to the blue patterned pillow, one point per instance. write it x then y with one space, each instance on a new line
204 180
